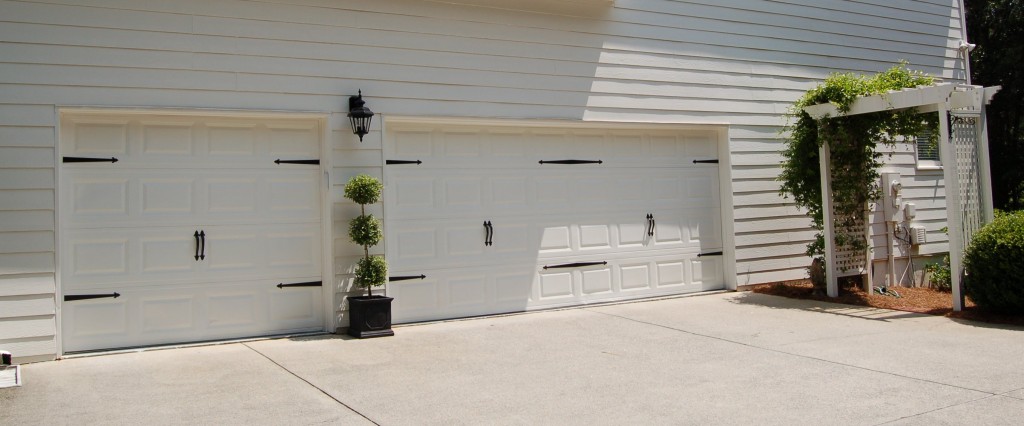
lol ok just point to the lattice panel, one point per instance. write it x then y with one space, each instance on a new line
963 137
851 262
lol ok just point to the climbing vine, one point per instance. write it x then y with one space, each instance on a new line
852 142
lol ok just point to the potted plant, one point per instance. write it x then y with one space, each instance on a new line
369 316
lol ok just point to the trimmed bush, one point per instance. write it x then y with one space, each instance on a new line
365 230
364 189
371 272
995 265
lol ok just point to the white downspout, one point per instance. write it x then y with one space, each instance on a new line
965 45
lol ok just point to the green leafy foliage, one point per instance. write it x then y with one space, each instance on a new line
939 274
994 267
365 230
363 189
371 271
997 27
852 142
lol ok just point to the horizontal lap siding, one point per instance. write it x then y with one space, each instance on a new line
736 62
27 308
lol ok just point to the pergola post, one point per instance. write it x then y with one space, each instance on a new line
825 164
954 223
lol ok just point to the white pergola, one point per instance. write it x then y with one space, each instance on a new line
965 167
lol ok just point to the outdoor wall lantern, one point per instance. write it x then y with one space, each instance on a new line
360 115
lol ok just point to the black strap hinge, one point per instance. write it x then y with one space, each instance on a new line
305 284
715 161
417 162
280 161
407 277
711 253
571 162
574 265
74 297
88 160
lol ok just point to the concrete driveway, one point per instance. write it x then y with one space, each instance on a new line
730 358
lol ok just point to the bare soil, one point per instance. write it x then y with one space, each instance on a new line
912 299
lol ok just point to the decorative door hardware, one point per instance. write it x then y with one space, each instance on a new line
575 265
571 162
713 253
200 237
74 297
715 161
650 225
88 160
417 162
488 233
407 277
305 284
280 161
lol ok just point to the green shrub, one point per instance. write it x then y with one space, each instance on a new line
365 230
371 272
994 262
363 189
939 274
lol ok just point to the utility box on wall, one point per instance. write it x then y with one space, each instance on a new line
918 235
892 196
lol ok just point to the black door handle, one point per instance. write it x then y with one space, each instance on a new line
196 235
650 230
202 235
488 233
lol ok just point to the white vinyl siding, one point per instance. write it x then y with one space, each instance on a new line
735 62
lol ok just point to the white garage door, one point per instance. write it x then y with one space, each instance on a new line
487 220
188 235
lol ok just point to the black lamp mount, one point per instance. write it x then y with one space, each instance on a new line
359 115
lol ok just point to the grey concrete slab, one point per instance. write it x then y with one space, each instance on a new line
714 359
583 367
224 384
994 410
973 355
1019 394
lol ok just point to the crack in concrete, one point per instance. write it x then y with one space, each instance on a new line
311 384
793 354
987 395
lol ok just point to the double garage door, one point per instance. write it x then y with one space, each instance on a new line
492 219
194 233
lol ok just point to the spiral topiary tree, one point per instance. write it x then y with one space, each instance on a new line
366 230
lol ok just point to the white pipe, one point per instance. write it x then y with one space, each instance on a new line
963 36
890 229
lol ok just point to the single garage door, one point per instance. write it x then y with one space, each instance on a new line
194 233
492 219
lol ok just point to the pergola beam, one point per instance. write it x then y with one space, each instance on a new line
941 98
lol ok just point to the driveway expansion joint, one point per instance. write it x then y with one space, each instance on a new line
938 409
311 384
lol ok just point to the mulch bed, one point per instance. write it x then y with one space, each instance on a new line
913 299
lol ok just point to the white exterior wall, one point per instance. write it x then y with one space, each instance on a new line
734 62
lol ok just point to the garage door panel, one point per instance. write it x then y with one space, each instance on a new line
427 193
491 148
190 142
453 293
131 247
147 316
133 197
630 226
115 258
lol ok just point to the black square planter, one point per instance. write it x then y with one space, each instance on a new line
369 316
